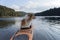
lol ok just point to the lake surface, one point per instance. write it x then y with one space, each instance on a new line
44 29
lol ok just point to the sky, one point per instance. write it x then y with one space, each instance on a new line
30 5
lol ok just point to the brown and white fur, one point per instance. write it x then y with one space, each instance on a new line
24 21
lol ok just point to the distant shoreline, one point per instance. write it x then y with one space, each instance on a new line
9 16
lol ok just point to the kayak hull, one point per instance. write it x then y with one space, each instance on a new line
27 32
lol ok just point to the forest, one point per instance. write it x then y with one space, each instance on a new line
50 12
8 12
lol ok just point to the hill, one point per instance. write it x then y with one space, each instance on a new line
8 12
50 12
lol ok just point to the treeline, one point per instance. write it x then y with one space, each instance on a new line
50 12
8 12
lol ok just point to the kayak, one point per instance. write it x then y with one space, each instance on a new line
25 34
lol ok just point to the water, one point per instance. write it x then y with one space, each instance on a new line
44 29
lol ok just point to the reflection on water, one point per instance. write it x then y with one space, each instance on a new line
5 23
44 29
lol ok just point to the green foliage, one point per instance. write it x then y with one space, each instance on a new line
8 12
50 12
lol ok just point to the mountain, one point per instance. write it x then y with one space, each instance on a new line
50 12
8 12
20 13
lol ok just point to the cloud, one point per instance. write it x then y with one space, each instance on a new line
31 4
36 6
15 7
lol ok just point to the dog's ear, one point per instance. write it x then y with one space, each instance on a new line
23 22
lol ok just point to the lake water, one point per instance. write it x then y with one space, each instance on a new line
43 29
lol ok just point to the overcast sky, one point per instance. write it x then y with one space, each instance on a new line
30 5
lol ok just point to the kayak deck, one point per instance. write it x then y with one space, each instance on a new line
27 32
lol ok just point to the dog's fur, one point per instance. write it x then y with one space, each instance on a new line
24 21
